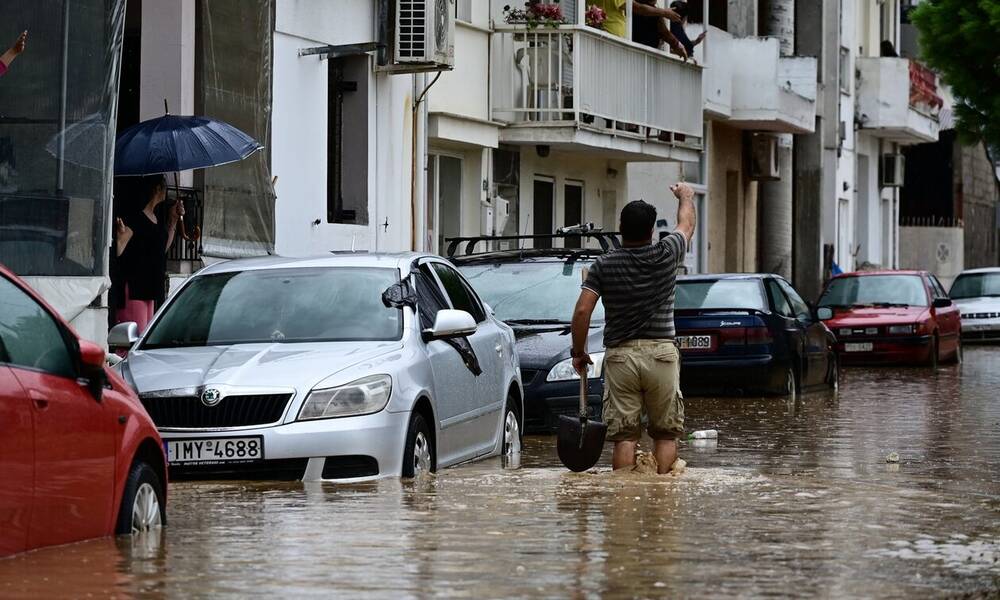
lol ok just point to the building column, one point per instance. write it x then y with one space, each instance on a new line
167 61
775 197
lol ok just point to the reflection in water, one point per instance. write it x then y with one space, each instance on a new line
792 499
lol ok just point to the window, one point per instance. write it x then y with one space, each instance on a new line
875 290
778 300
938 288
347 141
462 298
722 294
799 306
29 336
463 10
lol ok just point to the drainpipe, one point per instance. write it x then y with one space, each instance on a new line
418 192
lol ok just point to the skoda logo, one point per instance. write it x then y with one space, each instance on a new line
211 397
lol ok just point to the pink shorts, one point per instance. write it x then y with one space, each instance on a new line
138 311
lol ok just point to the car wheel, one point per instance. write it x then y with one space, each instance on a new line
932 361
512 437
142 507
833 379
418 458
791 387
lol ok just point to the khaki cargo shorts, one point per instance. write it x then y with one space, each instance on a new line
643 375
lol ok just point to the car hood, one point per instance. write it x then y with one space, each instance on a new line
870 317
540 346
986 304
299 366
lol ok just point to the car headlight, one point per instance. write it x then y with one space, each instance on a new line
900 329
361 397
564 371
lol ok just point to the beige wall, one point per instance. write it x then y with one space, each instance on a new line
732 204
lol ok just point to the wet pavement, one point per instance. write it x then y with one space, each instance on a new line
795 499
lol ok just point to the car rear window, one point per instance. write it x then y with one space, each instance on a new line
736 294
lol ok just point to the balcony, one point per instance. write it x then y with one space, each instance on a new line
750 85
898 100
578 89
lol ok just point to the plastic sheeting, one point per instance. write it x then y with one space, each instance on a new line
235 86
58 105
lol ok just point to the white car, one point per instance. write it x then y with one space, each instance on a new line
976 292
343 367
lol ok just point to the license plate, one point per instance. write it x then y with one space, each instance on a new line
864 347
694 342
215 450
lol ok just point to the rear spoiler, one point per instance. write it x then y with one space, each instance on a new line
718 312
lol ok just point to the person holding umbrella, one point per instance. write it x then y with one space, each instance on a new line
13 52
141 244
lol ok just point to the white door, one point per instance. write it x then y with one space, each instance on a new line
487 401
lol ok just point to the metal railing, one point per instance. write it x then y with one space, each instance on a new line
187 250
577 75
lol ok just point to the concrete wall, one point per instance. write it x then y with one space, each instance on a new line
731 205
977 193
940 250
299 138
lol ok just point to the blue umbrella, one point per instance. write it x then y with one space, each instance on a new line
173 143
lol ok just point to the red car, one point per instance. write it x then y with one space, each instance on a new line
899 317
79 456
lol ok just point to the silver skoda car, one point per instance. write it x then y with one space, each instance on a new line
342 367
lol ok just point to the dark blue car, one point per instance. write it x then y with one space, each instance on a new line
750 333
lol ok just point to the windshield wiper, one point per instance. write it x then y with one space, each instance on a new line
536 322
889 305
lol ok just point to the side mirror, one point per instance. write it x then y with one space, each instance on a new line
451 324
824 313
123 335
92 359
942 302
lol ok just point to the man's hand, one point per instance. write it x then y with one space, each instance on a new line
687 217
647 10
580 364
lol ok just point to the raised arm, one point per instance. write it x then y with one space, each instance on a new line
16 49
687 217
667 36
654 11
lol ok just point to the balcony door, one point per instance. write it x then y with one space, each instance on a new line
543 208
444 200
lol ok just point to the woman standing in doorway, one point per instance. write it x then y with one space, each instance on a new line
141 244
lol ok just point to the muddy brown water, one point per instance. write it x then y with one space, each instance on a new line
795 499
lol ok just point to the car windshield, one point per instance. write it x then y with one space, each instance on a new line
336 304
531 292
976 285
741 294
875 290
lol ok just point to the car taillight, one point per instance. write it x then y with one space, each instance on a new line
759 336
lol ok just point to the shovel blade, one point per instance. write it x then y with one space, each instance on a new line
580 442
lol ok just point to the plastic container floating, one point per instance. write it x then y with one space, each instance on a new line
704 434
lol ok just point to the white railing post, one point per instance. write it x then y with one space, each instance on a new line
581 12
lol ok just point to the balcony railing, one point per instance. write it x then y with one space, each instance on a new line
577 76
898 98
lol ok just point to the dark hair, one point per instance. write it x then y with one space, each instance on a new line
637 220
680 7
151 184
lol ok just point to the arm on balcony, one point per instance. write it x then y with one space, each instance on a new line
676 46
653 11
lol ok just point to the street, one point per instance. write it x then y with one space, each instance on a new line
795 499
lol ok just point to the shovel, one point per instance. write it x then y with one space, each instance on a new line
580 441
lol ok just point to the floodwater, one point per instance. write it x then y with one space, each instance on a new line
795 499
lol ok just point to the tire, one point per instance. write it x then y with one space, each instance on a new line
932 361
791 387
511 434
418 455
833 377
143 505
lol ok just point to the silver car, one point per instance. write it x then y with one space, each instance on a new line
342 367
976 292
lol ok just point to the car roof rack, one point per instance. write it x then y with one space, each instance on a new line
607 239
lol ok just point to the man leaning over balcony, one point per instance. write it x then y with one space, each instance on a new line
614 10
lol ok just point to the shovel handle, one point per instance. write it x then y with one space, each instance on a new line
583 396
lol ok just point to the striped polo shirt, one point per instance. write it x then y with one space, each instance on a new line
637 288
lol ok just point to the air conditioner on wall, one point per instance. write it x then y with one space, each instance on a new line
892 170
764 158
423 36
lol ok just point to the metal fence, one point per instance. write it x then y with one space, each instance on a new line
189 248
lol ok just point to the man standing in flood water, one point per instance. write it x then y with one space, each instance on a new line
641 361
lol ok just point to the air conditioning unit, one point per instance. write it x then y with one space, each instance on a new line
892 170
764 158
423 36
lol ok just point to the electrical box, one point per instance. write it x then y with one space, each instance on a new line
486 220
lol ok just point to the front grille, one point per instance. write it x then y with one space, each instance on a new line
188 412
982 315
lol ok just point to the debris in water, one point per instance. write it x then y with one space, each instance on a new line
704 434
892 458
